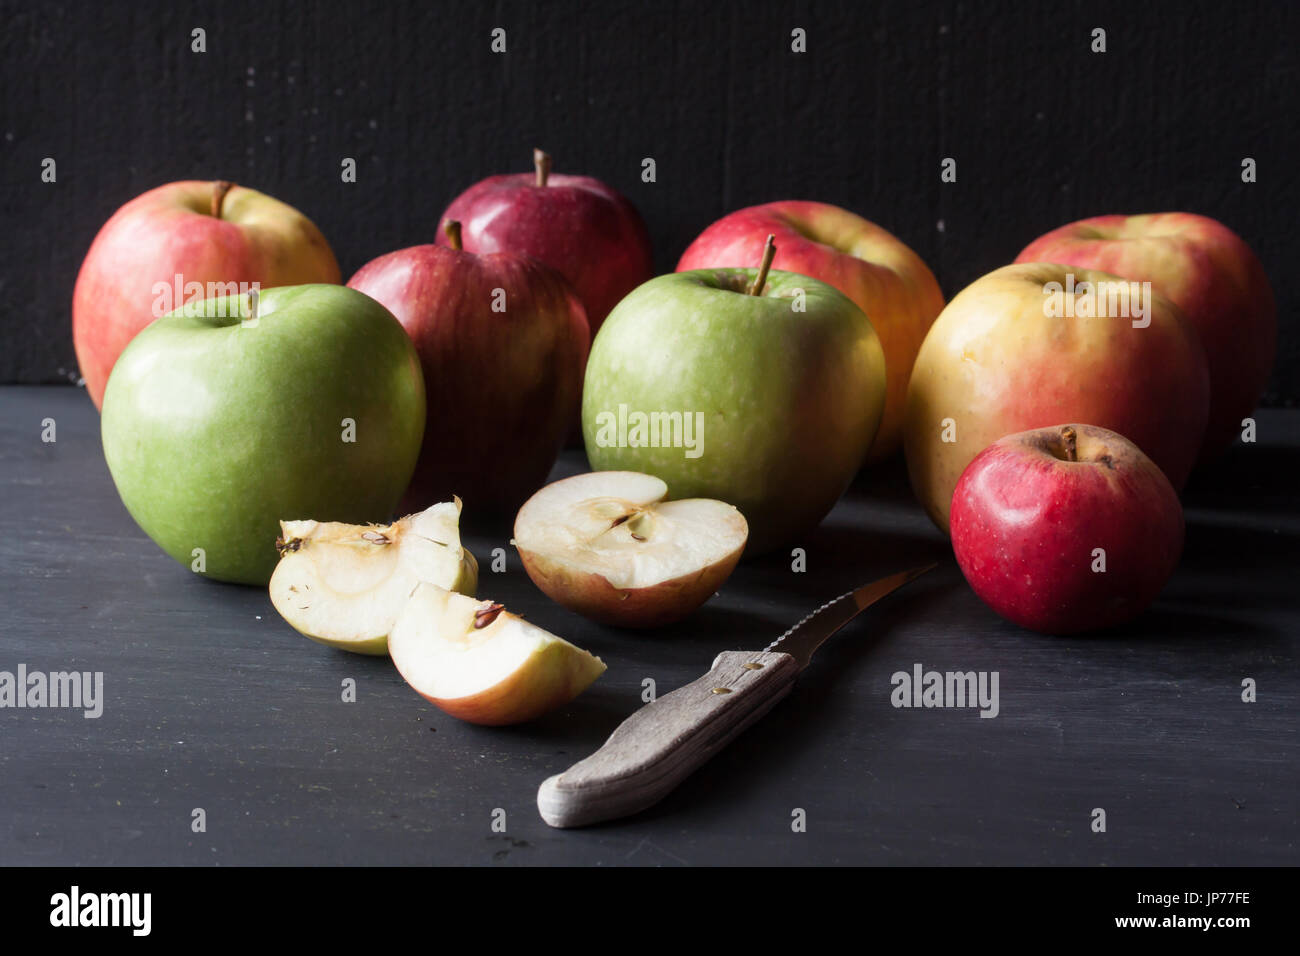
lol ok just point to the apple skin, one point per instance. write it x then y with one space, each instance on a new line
214 433
169 231
1025 521
503 388
437 634
874 268
996 365
1210 273
595 598
585 230
551 677
657 605
791 400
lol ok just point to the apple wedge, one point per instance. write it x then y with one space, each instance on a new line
607 545
345 584
480 663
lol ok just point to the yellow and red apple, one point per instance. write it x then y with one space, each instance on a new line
996 363
1210 273
874 268
178 243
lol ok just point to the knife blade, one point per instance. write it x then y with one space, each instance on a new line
665 741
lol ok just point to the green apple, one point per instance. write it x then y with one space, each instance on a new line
218 424
766 401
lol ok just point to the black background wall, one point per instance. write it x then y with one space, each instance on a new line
1044 131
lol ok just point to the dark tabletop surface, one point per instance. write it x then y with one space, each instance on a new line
213 702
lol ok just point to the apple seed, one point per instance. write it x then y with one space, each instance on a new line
486 614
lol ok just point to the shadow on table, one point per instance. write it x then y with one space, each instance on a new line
1240 566
839 557
1228 548
1168 625
1248 479
727 628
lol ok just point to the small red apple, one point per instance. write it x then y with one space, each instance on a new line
874 268
1066 529
1210 273
213 235
502 341
585 230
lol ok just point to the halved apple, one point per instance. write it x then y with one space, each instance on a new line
480 663
344 584
607 545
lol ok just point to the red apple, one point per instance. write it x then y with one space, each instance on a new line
1207 271
205 233
883 277
502 341
582 228
1066 529
1037 343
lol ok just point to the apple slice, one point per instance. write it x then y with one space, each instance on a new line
608 546
345 584
480 663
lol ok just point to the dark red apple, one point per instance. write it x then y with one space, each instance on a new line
1066 529
585 230
502 341
179 242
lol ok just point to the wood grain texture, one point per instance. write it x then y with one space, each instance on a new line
213 702
666 741
1044 131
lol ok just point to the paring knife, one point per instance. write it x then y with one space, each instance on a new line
665 741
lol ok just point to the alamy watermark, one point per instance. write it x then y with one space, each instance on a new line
1102 299
922 688
635 429
237 299
76 909
81 690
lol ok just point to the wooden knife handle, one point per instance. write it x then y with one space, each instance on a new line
660 745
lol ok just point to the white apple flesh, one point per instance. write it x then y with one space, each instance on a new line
609 547
480 663
344 585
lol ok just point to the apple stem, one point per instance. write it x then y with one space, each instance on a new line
452 228
769 253
219 190
542 166
1071 447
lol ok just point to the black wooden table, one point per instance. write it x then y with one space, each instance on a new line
212 702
